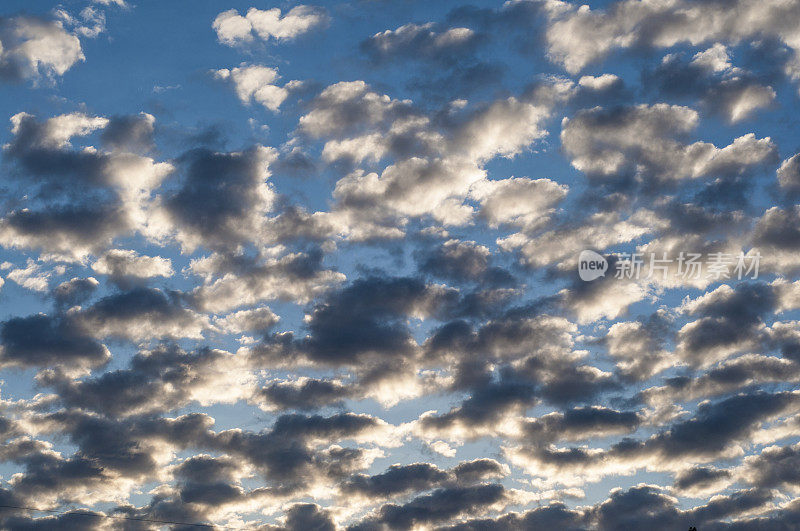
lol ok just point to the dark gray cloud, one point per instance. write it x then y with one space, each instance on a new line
397 479
438 506
130 133
75 520
580 423
42 341
728 319
305 395
76 198
746 371
778 229
645 146
222 197
775 467
711 431
308 516
417 477
161 380
554 516
700 476
368 318
460 261
485 405
65 228
140 314
74 291
789 177
41 148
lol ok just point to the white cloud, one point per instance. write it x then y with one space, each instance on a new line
129 263
645 139
519 201
36 49
233 29
578 36
255 83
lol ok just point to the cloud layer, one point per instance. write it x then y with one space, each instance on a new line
329 279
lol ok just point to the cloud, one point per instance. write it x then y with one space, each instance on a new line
699 479
775 237
234 281
222 198
141 314
81 198
776 466
256 320
432 168
724 89
642 142
714 431
304 394
577 37
164 379
75 291
121 264
729 376
636 346
89 23
420 41
41 340
367 315
129 133
367 319
256 83
233 29
463 262
579 424
31 277
789 174
441 505
517 201
729 321
36 49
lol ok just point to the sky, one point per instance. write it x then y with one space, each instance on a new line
372 265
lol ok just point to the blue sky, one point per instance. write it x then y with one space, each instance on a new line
298 266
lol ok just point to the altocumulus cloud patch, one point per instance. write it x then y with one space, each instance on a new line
399 265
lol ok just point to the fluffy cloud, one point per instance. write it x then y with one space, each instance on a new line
724 89
642 141
42 340
431 169
109 191
579 36
365 313
36 49
233 29
121 264
255 83
223 198
233 281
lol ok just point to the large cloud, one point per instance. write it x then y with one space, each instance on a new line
579 36
81 198
37 49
